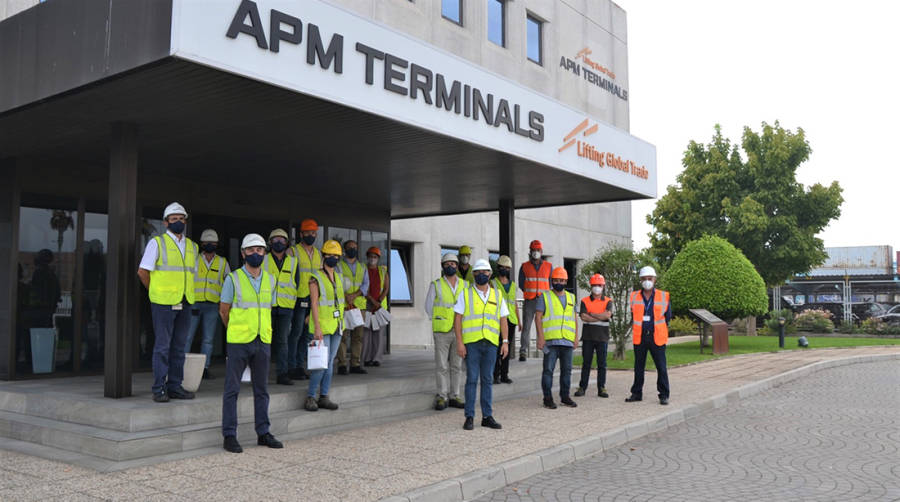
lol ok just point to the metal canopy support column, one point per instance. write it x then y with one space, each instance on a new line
9 243
121 267
508 230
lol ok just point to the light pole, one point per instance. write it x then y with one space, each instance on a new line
781 332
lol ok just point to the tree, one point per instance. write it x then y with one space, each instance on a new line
618 264
754 201
711 274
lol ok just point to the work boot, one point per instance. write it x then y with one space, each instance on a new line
456 402
326 403
505 379
342 370
632 398
566 400
548 403
470 424
284 379
522 358
490 422
496 380
663 401
579 392
180 393
231 444
207 375
310 404
358 370
269 440
440 403
601 392
160 397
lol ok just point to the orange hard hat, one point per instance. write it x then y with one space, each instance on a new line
598 280
308 224
374 250
559 273
535 244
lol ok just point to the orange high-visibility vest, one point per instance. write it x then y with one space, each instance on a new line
536 281
660 305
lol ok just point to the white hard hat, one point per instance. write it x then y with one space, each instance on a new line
647 271
481 264
251 240
174 208
209 235
449 257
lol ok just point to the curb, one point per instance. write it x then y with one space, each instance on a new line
482 481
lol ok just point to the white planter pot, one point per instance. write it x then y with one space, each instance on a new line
193 371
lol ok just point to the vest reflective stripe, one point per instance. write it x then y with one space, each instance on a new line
481 320
331 299
660 328
286 285
536 280
510 298
251 312
596 306
356 280
208 282
173 276
559 322
306 267
445 298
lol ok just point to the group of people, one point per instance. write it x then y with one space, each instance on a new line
282 300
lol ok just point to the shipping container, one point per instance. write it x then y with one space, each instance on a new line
856 261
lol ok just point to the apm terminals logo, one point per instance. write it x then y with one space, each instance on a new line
593 73
589 151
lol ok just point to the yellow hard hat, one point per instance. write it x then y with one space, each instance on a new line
465 250
332 247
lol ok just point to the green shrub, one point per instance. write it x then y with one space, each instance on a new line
874 326
771 321
710 273
814 321
847 327
681 325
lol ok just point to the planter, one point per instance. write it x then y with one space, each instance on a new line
193 371
43 350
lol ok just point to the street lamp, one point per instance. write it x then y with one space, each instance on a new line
781 332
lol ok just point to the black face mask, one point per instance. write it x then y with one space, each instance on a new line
254 259
278 246
449 271
331 261
209 247
309 240
176 227
351 252
503 272
482 279
558 287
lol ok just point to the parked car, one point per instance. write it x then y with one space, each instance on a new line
860 311
892 316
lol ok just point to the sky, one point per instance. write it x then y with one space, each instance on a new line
828 67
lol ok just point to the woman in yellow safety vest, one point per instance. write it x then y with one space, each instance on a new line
326 297
507 289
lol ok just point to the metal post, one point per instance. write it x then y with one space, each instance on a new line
9 270
121 266
508 229
781 332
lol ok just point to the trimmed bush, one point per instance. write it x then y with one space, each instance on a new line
772 322
814 321
710 273
681 325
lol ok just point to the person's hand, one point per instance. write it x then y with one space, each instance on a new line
461 350
575 344
318 335
540 344
504 350
519 327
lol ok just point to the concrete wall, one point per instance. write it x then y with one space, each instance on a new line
13 7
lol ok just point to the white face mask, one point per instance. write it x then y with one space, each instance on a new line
648 284
596 290
372 261
464 259
536 255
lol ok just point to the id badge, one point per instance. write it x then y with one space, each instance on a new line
336 314
646 318
304 305
177 307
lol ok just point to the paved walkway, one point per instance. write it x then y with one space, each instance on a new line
369 463
832 437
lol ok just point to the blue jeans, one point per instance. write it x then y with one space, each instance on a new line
281 329
322 378
256 355
205 314
170 329
588 347
300 337
480 359
551 354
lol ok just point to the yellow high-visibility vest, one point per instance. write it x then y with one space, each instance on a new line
209 280
481 319
356 280
285 283
445 298
510 297
331 303
558 322
173 276
307 268
251 312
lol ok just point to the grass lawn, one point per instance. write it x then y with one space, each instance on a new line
686 353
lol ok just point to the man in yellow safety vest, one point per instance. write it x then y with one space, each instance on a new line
442 295
557 333
283 267
309 260
356 280
211 272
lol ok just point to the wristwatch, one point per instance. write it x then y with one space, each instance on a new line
505 341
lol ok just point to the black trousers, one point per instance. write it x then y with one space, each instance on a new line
501 368
256 355
658 353
588 348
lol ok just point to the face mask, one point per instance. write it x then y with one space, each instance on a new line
449 271
596 290
254 259
210 247
647 285
331 261
351 252
372 261
278 246
482 279
177 227
464 260
558 287
503 272
535 255
309 240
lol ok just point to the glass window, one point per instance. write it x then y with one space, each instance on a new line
93 318
497 22
452 10
401 273
493 256
342 235
534 29
446 249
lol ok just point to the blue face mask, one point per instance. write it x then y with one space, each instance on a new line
351 252
449 271
254 259
309 240
209 247
482 279
331 261
177 227
278 246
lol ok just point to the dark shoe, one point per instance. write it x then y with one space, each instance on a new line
522 358
376 363
299 374
601 392
470 424
568 402
342 370
490 422
548 403
368 363
497 380
632 398
326 403
207 375
358 370
456 402
284 379
440 403
663 401
579 392
231 444
180 393
160 397
269 440
310 404
505 380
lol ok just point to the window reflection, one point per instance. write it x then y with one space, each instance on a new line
93 319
